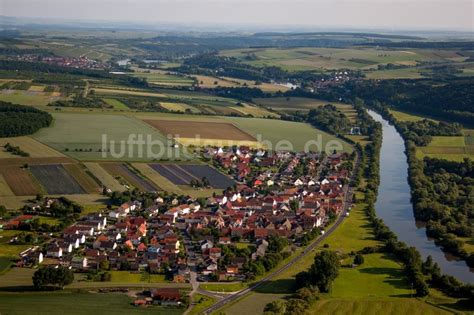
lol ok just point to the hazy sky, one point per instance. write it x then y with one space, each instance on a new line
420 14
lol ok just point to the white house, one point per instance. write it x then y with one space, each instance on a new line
54 251
206 244
298 182
79 262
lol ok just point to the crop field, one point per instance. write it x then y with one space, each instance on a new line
36 88
34 161
266 87
255 111
104 177
106 91
287 135
86 303
34 148
79 174
220 110
56 180
401 116
183 174
5 190
213 82
253 303
19 180
372 305
173 173
216 179
163 78
28 97
295 103
179 107
403 73
159 180
335 58
115 103
184 101
121 170
454 148
205 130
69 135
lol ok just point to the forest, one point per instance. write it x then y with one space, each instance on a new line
17 120
330 119
442 195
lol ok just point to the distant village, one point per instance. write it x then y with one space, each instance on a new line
80 62
277 196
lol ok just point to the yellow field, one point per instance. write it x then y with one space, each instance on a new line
35 148
179 107
36 88
255 111
108 180
205 81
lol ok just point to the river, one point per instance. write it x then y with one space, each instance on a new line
395 208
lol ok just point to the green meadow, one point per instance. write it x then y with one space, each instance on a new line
80 135
287 134
116 104
67 302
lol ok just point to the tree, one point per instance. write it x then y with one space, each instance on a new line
3 210
308 294
277 307
296 306
276 243
104 265
49 275
358 259
323 271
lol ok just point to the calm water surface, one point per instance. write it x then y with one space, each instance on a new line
394 203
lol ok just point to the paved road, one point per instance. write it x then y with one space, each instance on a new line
307 250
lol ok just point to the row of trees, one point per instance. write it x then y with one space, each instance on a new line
17 120
80 101
15 150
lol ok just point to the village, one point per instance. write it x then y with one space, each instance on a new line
280 201
79 62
